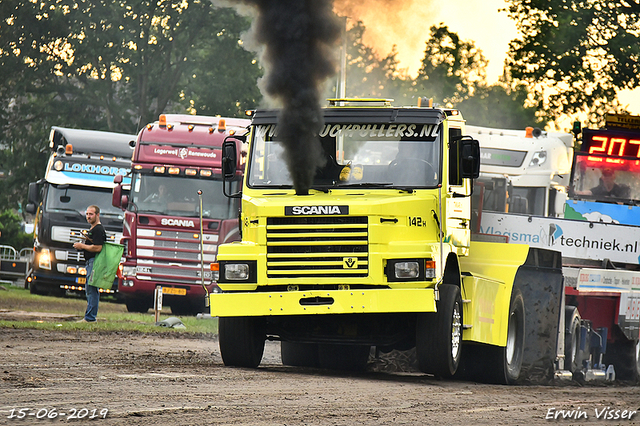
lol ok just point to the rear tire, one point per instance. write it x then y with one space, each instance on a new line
439 335
343 357
506 369
299 354
496 364
572 359
241 341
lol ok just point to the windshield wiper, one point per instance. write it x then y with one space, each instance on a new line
110 214
321 188
63 209
365 185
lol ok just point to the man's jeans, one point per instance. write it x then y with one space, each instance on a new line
93 296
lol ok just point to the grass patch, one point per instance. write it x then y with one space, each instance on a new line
112 316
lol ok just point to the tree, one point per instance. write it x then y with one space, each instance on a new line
451 69
113 66
499 106
11 231
576 54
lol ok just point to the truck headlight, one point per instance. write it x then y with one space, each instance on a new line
538 159
410 270
236 271
129 271
407 270
44 259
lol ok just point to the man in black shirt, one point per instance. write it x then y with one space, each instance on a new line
608 186
94 240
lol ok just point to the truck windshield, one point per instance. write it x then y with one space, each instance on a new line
178 196
75 198
604 179
355 155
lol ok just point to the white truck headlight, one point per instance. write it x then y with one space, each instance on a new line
236 271
129 271
404 270
538 159
44 259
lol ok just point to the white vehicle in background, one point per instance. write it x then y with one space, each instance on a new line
536 165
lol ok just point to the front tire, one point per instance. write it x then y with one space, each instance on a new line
241 341
439 335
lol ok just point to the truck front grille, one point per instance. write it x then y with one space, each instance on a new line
174 256
317 246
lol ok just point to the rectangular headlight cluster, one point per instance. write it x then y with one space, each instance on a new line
238 271
410 270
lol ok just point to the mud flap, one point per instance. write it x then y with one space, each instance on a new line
540 280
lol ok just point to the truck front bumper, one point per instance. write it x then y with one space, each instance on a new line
239 304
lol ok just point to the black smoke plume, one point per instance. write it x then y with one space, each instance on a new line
299 37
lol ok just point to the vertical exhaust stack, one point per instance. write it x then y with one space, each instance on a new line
299 37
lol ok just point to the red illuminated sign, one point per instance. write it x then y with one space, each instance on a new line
611 143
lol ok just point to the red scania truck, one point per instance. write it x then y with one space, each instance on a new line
174 159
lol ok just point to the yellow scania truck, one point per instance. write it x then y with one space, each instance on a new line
379 253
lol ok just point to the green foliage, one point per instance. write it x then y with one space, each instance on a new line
111 316
112 66
453 73
576 54
12 234
451 69
495 106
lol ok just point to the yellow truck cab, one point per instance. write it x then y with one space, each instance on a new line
378 251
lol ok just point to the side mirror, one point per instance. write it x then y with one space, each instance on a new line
116 194
469 158
30 208
124 202
229 159
117 180
32 197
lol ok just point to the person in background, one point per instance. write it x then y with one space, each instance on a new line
94 240
608 186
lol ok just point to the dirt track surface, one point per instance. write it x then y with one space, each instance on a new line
160 379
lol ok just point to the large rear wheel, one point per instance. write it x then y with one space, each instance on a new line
439 335
241 341
572 359
507 362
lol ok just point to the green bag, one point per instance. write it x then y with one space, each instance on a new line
105 265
